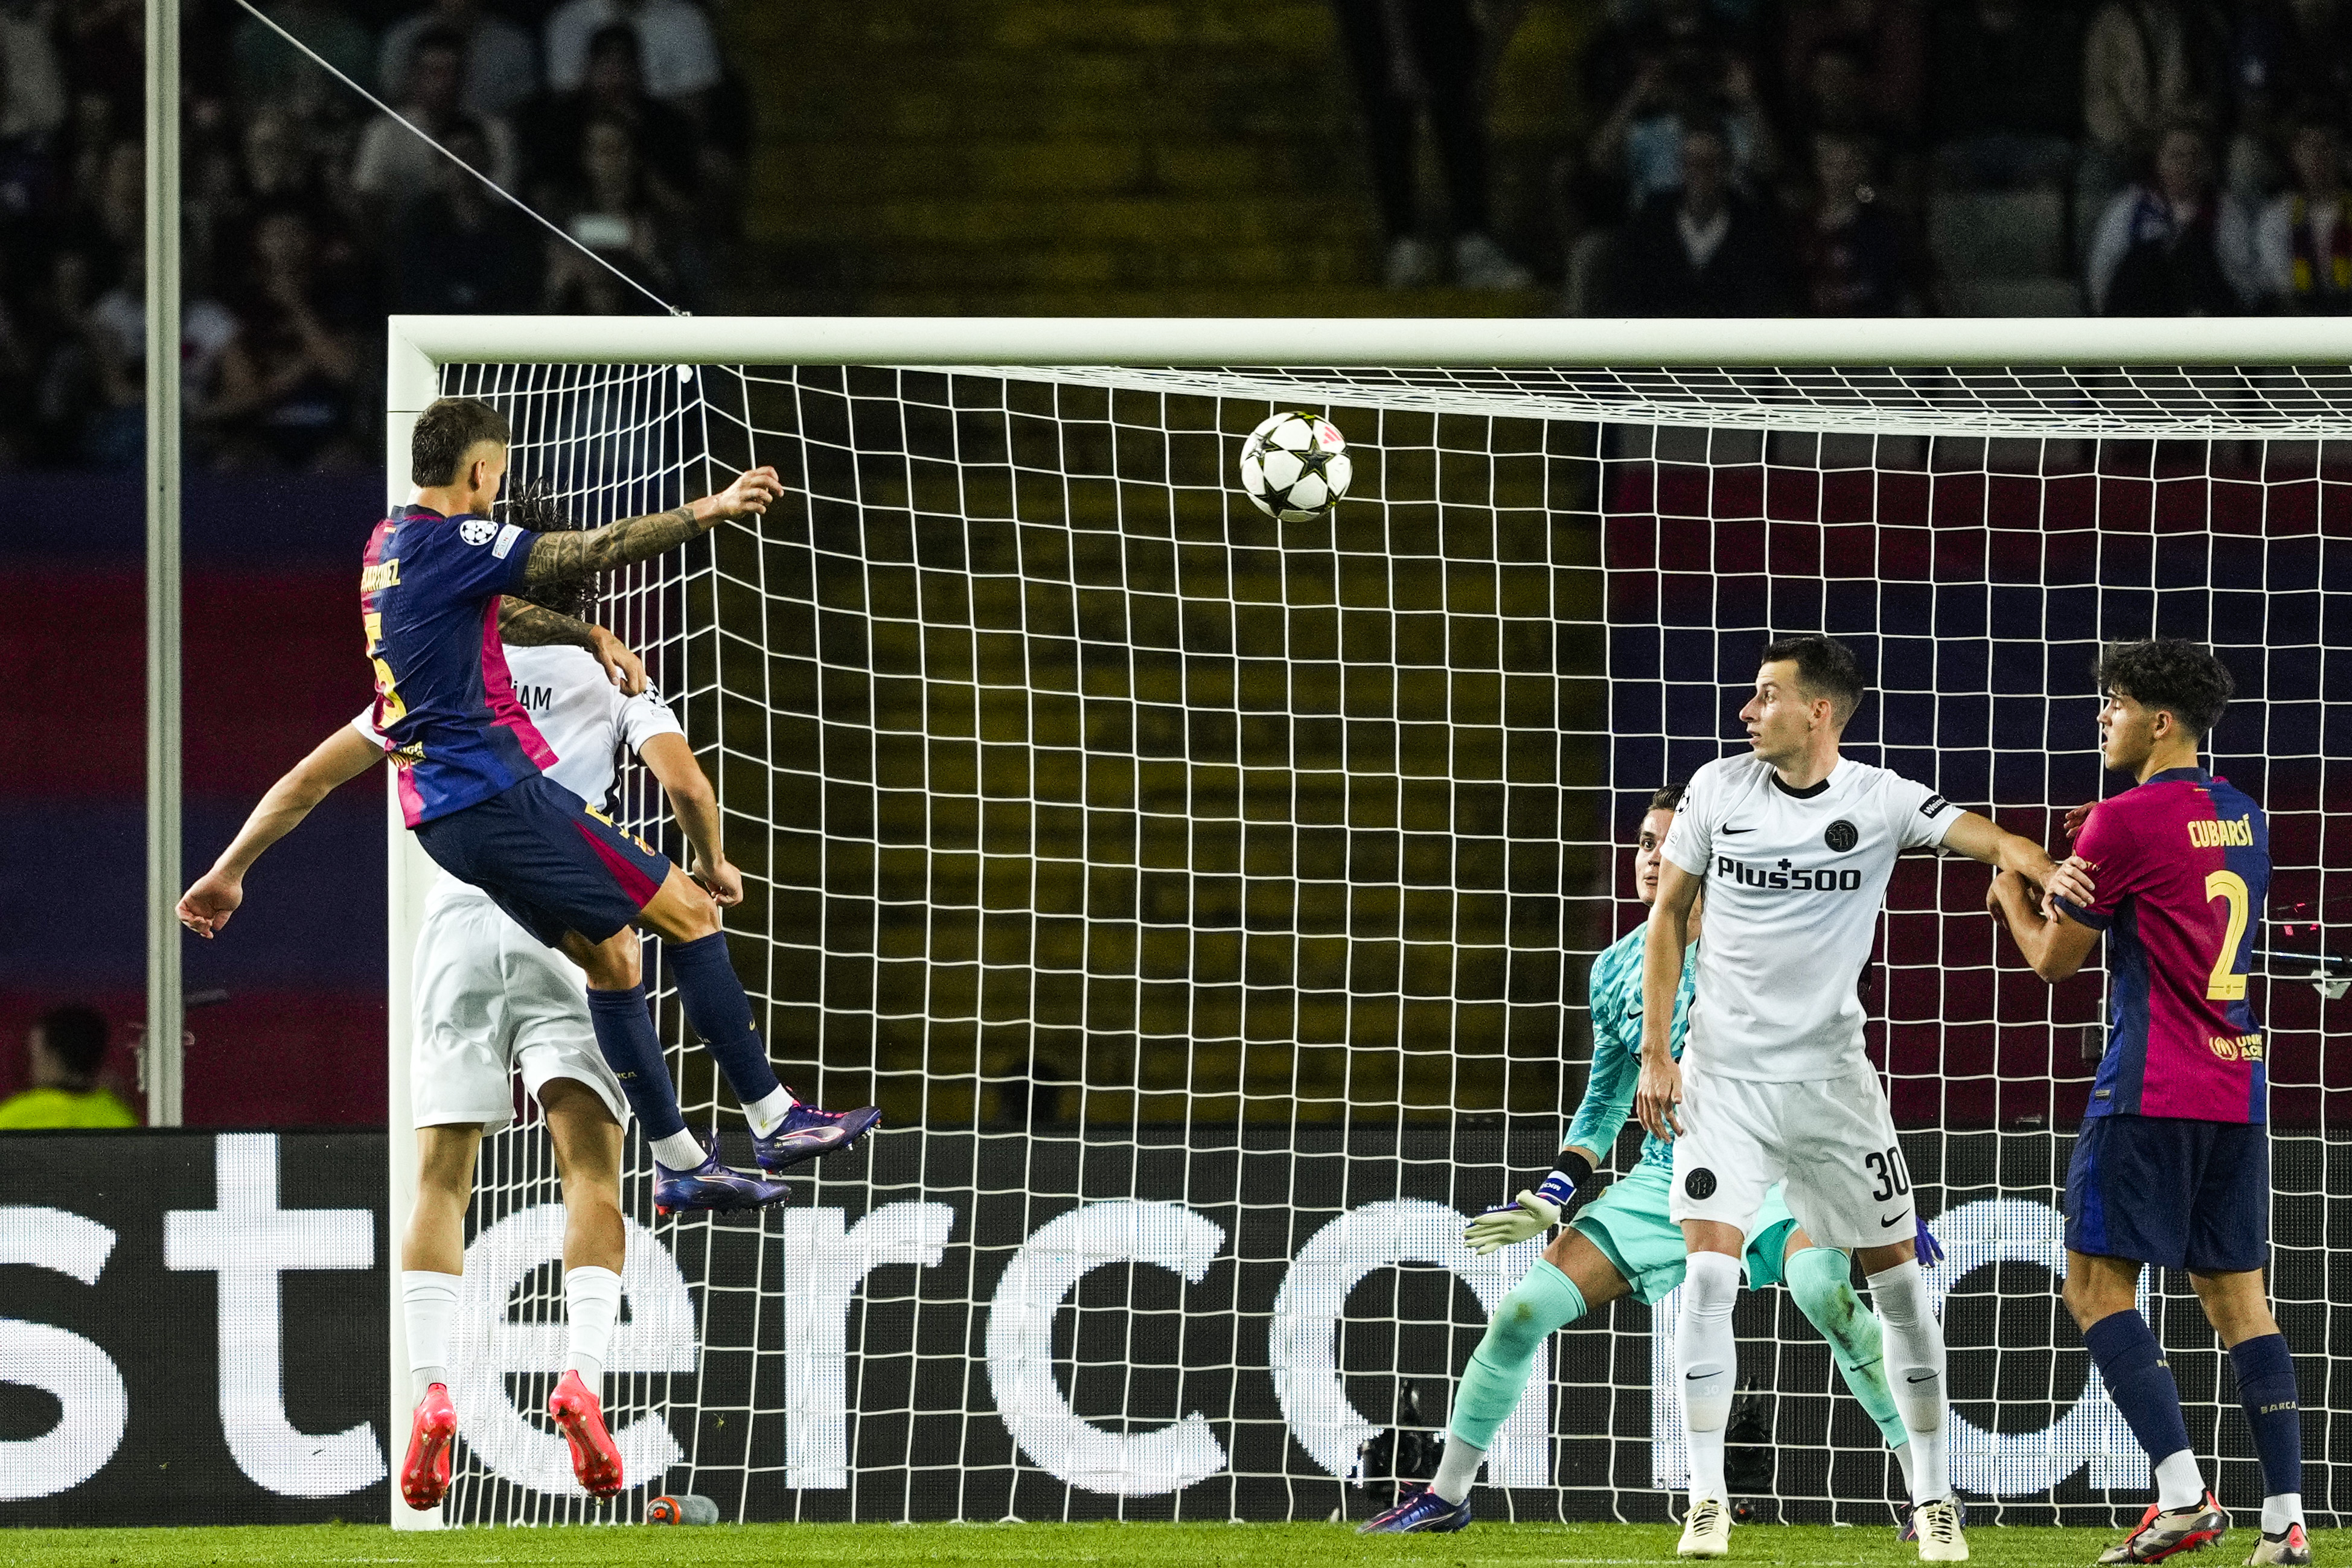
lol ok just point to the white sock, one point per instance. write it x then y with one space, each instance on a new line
428 1306
2281 1510
1903 1457
1915 1370
678 1151
591 1300
1458 1466
1708 1358
768 1112
2179 1482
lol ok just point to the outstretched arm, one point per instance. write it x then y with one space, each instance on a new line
343 756
529 626
555 557
1980 839
2054 943
696 805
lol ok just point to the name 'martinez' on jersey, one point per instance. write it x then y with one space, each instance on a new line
1795 880
445 707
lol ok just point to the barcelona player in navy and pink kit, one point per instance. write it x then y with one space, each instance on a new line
435 606
2172 1168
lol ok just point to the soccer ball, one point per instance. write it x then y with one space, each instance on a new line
1295 466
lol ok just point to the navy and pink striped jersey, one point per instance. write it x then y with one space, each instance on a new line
445 704
2182 864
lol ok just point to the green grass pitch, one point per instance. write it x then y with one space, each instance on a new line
1023 1546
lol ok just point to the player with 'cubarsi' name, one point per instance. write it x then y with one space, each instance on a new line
1794 845
2172 1166
1622 1241
473 788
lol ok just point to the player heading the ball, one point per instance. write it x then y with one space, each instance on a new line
1794 845
2172 1166
473 788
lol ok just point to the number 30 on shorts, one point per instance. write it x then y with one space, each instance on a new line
1893 1180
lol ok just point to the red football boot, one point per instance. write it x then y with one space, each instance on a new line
425 1477
581 1417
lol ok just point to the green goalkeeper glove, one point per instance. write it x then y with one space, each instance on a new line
1534 1213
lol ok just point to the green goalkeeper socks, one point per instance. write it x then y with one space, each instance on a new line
1537 1306
1822 1279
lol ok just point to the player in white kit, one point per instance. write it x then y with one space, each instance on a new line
493 1002
1793 846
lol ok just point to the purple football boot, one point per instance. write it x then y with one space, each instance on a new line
806 1131
713 1188
1421 1513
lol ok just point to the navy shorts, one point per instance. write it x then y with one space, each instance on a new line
2172 1192
549 859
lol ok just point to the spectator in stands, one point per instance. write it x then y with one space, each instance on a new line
100 51
502 63
2175 244
115 437
71 389
1849 253
612 213
1680 70
461 249
32 82
1705 249
67 1049
556 128
674 41
1410 58
2001 103
395 165
2138 75
288 380
272 71
2303 245
1880 44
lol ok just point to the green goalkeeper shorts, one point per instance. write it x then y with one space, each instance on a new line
1629 1224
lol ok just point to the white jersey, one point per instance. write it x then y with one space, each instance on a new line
1794 884
581 716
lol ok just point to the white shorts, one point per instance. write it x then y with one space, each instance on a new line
1831 1141
491 1003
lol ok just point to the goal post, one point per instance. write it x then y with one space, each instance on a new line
1207 899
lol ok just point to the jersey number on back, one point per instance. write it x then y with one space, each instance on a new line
2226 985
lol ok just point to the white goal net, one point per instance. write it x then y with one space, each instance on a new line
1207 901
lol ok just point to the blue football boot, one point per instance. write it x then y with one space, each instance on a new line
806 1131
713 1188
1422 1512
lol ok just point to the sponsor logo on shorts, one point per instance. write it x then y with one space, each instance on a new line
1841 835
1788 876
1700 1184
2243 1048
1895 1219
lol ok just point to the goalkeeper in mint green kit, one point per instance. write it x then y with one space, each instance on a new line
1622 1242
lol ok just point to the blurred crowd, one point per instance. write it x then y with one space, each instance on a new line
309 216
1859 157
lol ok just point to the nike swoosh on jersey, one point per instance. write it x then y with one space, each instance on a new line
1731 830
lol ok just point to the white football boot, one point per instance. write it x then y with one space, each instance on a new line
1938 1523
1707 1530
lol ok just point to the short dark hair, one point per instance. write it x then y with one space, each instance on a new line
614 35
1825 668
532 505
445 432
447 39
76 1034
1667 797
2181 677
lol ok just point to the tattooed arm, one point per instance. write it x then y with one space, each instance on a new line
529 626
554 557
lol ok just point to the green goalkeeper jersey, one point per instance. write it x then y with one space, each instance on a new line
1616 994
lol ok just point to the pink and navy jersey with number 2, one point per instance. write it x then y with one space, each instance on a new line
2182 865
444 704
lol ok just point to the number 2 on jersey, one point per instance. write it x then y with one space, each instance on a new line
2226 985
